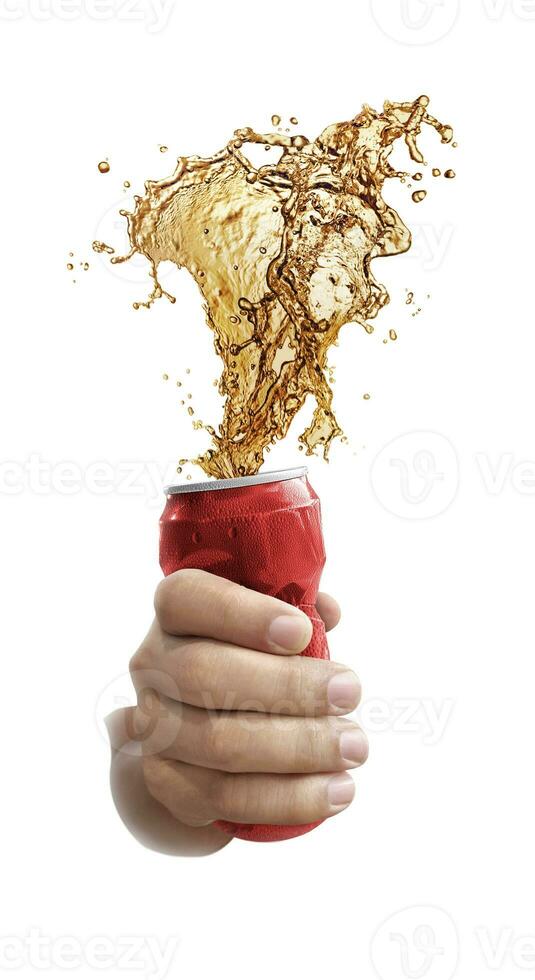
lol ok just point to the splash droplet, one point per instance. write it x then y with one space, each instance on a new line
104 167
102 247
419 196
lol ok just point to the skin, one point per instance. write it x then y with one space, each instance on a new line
230 722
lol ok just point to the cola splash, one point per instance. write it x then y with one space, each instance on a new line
281 254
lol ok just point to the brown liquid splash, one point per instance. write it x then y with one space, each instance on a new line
282 256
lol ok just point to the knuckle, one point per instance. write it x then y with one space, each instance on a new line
303 801
309 745
227 796
197 667
220 745
296 803
231 602
292 682
141 659
155 777
163 600
173 590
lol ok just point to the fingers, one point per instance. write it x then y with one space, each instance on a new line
248 741
329 610
195 603
213 674
197 796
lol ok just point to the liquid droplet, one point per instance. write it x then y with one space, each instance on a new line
102 247
393 335
275 120
104 167
419 196
450 174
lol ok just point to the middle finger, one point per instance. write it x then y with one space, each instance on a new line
247 741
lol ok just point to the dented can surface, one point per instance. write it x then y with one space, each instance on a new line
263 532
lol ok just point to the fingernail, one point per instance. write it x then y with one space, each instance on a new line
341 790
354 746
290 633
343 690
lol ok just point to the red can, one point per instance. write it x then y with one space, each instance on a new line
263 532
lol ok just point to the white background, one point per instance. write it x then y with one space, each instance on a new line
429 512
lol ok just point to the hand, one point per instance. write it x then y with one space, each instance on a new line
232 723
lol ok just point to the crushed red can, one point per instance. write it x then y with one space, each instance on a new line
263 532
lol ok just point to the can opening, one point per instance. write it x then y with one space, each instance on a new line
275 476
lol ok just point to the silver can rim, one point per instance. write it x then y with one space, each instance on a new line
273 476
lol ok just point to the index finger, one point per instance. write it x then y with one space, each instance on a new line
191 602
